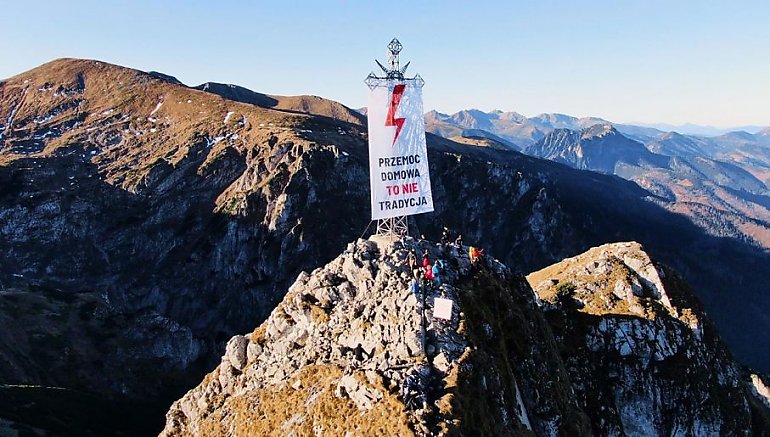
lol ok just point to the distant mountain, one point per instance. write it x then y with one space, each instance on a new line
600 147
694 129
510 126
521 130
748 151
485 139
721 196
561 121
675 144
301 104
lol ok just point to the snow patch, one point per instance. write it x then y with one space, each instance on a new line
157 107
523 416
9 120
41 120
210 142
227 116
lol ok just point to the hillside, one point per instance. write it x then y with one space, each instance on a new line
176 218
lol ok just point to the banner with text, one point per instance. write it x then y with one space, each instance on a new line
398 158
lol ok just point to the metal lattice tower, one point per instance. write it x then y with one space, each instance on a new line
393 72
394 227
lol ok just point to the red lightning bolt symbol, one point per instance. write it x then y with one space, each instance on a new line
395 99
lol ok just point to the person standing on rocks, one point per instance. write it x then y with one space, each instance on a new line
445 236
425 258
415 287
436 271
429 272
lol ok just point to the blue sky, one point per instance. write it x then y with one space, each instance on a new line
628 61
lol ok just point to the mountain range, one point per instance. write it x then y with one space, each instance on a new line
144 223
720 182
525 131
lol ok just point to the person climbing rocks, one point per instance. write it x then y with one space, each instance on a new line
475 253
425 258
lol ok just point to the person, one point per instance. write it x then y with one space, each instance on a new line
429 272
444 236
436 271
425 258
475 253
412 259
415 287
459 240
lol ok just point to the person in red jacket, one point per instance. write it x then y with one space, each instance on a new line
475 253
429 272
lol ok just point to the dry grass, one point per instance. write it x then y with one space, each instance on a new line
310 410
594 291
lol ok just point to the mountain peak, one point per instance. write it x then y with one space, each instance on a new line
355 338
350 337
598 131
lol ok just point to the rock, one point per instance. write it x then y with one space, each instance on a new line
440 363
235 352
253 350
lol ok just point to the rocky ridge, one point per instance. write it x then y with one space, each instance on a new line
348 338
642 357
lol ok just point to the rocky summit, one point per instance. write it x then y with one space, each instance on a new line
641 356
611 344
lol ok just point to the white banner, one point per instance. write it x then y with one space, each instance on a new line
398 158
442 308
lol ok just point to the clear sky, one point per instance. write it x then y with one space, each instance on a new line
628 61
